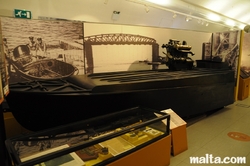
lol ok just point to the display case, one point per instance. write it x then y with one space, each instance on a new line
96 141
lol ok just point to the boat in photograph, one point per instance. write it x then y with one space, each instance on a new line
42 104
31 67
45 69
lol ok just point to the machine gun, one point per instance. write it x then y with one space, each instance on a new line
177 55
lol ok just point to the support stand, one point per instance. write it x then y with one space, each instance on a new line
4 159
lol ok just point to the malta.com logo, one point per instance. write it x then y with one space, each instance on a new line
210 159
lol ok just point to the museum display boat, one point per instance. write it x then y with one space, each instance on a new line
42 104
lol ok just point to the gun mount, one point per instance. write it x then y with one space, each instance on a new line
177 55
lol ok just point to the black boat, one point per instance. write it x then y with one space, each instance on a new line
41 104
44 104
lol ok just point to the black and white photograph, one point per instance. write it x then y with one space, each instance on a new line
245 59
42 49
206 51
225 48
65 160
119 52
3 73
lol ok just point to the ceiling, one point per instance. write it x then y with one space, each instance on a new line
154 13
236 10
232 13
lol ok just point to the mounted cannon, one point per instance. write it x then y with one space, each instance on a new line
177 55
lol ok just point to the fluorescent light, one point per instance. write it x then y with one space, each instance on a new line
230 23
159 2
214 17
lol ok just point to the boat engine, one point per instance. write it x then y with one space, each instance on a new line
177 55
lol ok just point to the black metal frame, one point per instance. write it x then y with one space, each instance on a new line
90 122
4 159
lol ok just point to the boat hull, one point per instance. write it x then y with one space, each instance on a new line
188 94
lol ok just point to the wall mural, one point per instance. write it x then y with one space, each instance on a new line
121 55
225 48
135 53
39 49
206 51
48 49
245 62
4 88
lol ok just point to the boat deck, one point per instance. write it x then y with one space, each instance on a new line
126 81
79 97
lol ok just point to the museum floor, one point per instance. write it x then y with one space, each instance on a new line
209 135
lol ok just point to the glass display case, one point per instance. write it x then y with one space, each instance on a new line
96 141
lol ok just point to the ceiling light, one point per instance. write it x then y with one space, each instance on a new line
230 23
146 9
175 15
207 24
160 2
213 17
115 15
188 19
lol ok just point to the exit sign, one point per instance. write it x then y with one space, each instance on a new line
22 14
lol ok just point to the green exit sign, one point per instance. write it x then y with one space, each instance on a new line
22 14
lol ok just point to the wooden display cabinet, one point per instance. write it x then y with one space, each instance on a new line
243 91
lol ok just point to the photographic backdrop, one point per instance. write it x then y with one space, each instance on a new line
42 49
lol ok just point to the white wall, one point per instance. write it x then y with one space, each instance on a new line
99 12
162 35
108 55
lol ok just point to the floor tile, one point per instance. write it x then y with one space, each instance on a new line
209 136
